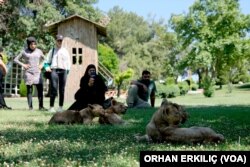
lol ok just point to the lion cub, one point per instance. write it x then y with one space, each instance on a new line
112 114
191 135
83 116
164 127
169 114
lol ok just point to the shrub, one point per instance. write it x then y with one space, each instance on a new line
172 91
184 87
208 86
170 81
22 89
161 90
244 78
194 86
167 91
5 58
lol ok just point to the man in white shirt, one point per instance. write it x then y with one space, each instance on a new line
59 65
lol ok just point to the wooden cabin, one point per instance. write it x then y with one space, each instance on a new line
81 40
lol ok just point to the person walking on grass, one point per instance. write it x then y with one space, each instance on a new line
31 59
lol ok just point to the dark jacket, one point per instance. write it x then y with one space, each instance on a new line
89 95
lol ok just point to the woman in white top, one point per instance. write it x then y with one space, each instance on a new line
59 63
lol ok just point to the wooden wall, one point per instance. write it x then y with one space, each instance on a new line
80 38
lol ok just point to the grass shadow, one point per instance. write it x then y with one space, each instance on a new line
86 144
244 86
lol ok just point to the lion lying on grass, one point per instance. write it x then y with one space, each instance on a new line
83 116
191 135
112 114
163 127
169 114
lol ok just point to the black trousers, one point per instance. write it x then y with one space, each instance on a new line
39 88
2 101
58 81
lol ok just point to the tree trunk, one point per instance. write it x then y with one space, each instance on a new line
200 77
118 90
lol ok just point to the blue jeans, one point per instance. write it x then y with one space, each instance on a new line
133 100
58 79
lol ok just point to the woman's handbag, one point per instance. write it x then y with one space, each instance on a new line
47 74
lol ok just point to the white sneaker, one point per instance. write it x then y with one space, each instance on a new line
60 109
52 109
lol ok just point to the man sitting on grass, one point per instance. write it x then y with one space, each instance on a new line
140 91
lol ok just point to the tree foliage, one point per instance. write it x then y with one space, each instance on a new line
121 77
126 29
210 38
213 33
108 57
23 18
141 44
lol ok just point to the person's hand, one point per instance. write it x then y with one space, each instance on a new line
26 66
48 69
91 82
1 62
40 66
145 88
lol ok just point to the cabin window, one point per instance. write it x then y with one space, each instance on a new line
74 56
74 50
80 60
79 50
74 60
77 56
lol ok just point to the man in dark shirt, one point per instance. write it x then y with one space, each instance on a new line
140 91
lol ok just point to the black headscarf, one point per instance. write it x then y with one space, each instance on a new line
86 74
85 79
94 94
29 41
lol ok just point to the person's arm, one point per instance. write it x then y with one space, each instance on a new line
68 61
152 95
102 85
133 82
47 60
17 59
84 83
152 99
42 58
3 67
101 90
82 90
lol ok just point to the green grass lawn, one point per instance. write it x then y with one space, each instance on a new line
27 140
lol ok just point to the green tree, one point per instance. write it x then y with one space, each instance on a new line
108 57
213 33
23 18
126 30
120 77
9 16
141 44
81 7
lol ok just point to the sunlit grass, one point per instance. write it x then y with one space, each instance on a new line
27 140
